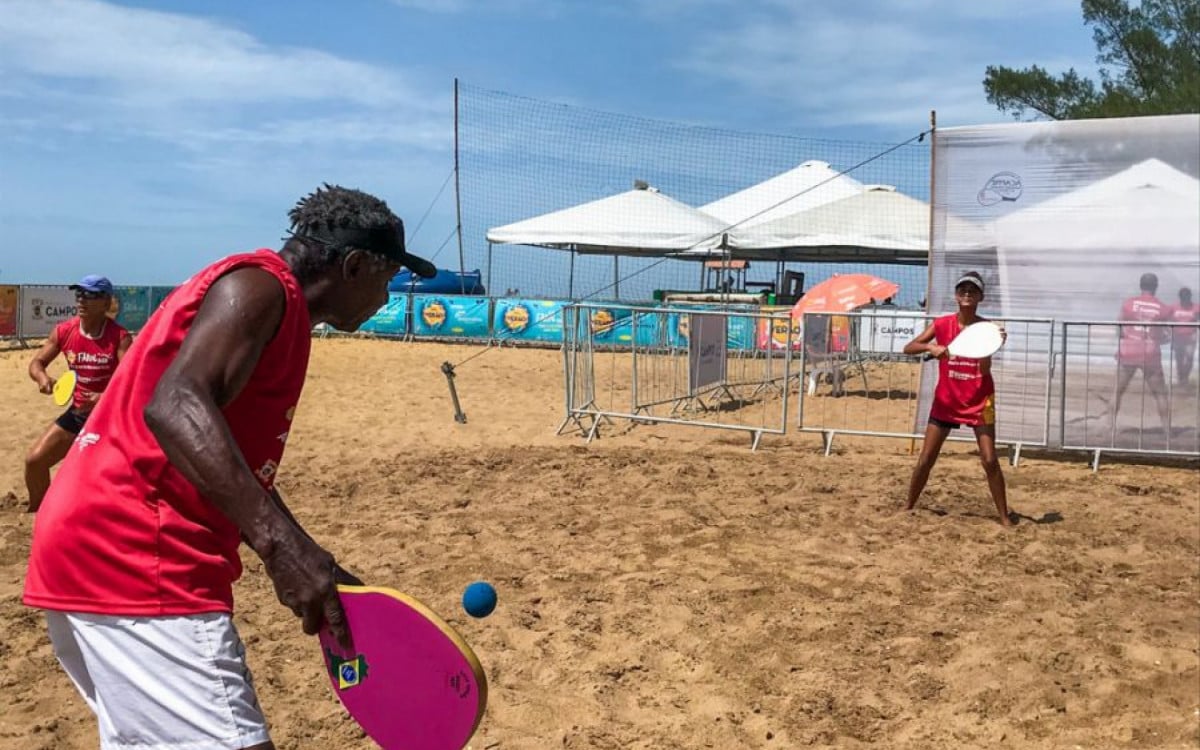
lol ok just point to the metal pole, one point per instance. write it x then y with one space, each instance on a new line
617 277
488 285
571 277
462 263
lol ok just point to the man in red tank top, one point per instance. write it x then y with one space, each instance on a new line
1140 347
1183 339
965 395
135 549
92 345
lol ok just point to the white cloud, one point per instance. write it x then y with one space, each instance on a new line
857 66
168 75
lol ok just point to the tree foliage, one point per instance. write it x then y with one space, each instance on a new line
1149 55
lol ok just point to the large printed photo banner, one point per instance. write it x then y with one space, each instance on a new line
43 308
10 300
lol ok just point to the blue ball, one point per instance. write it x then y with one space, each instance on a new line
479 599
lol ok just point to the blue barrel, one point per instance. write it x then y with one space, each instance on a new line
445 282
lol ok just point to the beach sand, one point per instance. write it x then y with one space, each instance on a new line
665 587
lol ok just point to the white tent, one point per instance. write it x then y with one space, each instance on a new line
1144 218
811 184
641 222
876 225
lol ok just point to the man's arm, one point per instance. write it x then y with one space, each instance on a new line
237 319
42 360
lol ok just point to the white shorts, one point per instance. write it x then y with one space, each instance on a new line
161 683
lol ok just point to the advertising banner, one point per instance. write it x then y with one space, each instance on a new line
391 319
131 306
706 351
44 307
10 299
773 332
157 295
450 315
528 320
889 330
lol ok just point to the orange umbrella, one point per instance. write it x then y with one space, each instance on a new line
844 293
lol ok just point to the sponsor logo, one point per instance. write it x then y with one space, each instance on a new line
88 358
516 318
267 470
602 321
1000 187
84 439
348 672
434 314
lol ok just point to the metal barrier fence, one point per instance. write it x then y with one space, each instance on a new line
872 388
676 365
1127 388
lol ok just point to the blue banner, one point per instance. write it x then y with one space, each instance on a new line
157 295
528 320
450 315
610 325
391 319
133 306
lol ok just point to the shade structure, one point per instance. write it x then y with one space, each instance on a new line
642 222
806 186
843 293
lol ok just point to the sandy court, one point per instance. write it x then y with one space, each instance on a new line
664 587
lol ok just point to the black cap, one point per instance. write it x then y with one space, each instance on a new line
386 240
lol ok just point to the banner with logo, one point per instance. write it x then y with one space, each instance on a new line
528 320
10 300
451 315
888 330
157 295
43 308
131 306
707 350
610 325
391 319
772 332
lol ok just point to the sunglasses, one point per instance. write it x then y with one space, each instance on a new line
90 295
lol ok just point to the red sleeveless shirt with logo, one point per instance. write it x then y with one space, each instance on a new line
964 394
94 360
121 531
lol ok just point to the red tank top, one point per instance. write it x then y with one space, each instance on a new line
121 531
1181 314
1141 345
964 393
94 360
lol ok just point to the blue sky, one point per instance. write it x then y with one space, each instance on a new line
144 139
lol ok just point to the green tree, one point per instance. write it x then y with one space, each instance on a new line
1150 65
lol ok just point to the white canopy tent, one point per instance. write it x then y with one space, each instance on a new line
809 185
642 221
1144 218
876 225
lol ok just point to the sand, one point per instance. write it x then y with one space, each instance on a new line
665 587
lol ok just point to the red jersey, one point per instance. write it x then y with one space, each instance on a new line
964 394
1180 314
94 359
121 531
1141 345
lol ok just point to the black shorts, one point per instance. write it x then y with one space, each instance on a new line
944 423
72 421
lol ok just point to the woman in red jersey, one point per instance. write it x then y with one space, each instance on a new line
92 344
965 395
